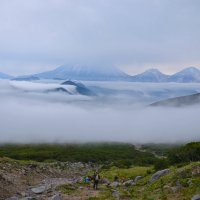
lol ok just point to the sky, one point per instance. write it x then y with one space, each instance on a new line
134 35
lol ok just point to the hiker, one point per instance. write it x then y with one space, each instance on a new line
96 179
87 182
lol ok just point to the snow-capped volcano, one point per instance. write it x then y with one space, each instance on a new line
151 75
85 73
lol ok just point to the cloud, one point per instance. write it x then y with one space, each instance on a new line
33 117
37 35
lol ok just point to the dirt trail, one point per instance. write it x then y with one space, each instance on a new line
82 195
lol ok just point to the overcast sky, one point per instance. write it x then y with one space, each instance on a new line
38 35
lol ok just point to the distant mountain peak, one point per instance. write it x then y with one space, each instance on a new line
152 70
85 73
187 75
80 88
191 70
150 75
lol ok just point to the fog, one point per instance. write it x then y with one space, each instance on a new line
31 116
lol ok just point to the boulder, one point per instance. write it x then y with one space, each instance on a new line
55 197
104 181
137 178
174 189
129 183
115 184
159 174
196 197
39 190
12 198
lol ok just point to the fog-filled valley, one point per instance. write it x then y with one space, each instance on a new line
50 111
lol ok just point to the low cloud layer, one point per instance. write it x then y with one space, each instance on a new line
38 119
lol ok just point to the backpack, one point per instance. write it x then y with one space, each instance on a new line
97 177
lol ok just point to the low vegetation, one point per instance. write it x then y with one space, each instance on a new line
121 155
185 154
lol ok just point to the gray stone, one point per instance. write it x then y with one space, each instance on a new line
55 197
129 182
196 197
115 184
29 198
190 183
137 178
12 198
175 189
115 194
39 190
104 181
159 174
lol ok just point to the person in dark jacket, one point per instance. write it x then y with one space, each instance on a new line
96 179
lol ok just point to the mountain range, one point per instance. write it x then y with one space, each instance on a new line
105 73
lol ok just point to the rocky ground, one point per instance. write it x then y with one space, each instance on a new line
24 180
32 180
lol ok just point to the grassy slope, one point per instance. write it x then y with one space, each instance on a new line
164 188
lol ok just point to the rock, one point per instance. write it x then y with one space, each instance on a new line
115 194
137 178
29 198
104 181
159 174
196 197
12 198
55 197
167 187
129 182
141 190
196 170
39 190
175 189
81 187
190 183
115 184
23 194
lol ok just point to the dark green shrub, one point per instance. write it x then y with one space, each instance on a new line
161 164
